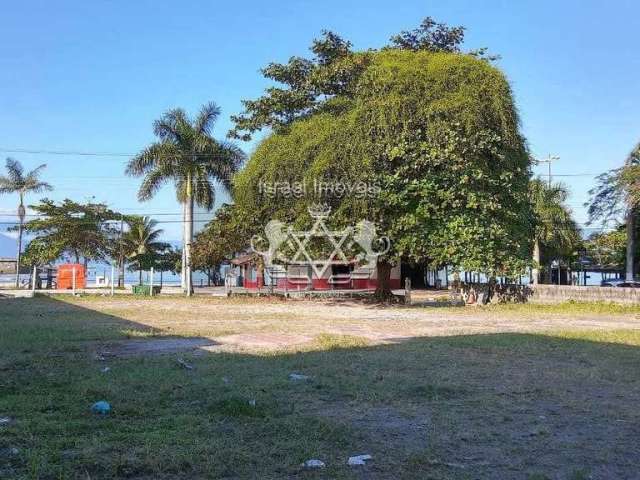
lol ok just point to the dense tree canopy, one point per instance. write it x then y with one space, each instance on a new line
607 249
437 137
77 230
617 196
220 239
616 190
307 85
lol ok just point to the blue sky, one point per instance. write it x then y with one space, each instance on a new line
92 76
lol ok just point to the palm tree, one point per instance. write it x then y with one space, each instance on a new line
187 155
554 225
16 181
141 245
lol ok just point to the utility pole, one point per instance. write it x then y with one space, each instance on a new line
21 215
121 254
535 273
550 158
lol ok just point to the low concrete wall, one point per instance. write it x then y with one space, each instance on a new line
565 293
478 292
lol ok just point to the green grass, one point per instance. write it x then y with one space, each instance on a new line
569 307
474 406
620 336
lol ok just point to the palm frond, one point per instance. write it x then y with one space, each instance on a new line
168 127
7 185
203 192
34 186
35 173
151 183
224 161
195 154
141 237
553 219
152 156
206 118
181 189
15 170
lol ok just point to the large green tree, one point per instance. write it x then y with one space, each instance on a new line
169 260
307 86
438 133
616 197
187 155
608 249
82 231
17 181
225 235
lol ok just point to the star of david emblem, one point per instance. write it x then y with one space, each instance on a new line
320 230
278 234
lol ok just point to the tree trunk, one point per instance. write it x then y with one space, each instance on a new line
140 277
631 244
260 275
188 238
19 256
536 261
21 213
161 278
121 256
121 272
183 265
383 290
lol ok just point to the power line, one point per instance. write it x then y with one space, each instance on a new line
80 153
576 174
65 152
117 220
86 153
142 212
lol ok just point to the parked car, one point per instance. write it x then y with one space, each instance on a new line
620 283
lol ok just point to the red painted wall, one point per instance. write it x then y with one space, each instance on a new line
322 284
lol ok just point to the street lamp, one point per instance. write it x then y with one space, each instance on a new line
550 158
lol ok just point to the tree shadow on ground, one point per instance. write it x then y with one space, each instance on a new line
471 406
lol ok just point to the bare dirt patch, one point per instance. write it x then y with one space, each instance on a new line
214 317
268 341
152 346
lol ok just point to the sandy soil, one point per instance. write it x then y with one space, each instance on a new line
269 324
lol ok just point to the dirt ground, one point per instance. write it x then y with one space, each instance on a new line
264 324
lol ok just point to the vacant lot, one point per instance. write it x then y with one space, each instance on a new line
200 388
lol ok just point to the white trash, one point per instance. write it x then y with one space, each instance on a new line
313 463
359 460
